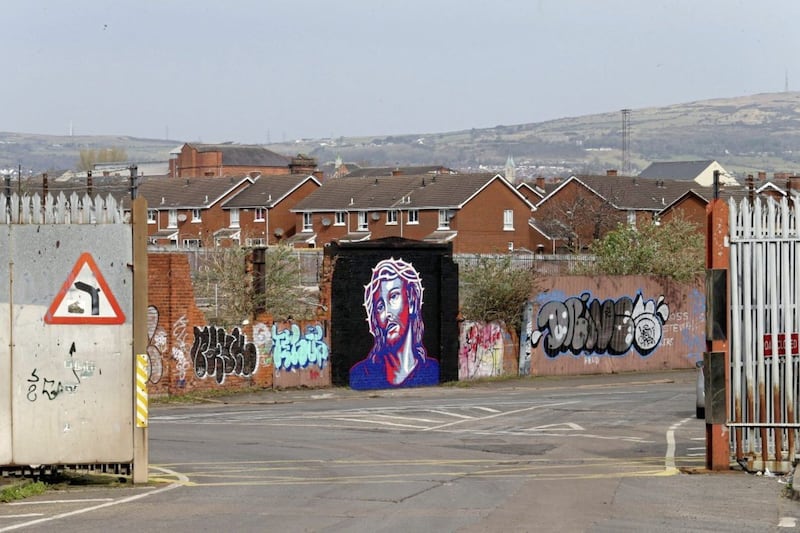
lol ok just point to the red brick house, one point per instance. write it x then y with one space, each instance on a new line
588 207
188 212
478 213
229 159
265 216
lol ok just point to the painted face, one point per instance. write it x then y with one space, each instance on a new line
391 310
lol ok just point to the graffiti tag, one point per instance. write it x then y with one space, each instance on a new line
179 350
580 325
219 354
292 350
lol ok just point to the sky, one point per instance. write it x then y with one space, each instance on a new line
265 71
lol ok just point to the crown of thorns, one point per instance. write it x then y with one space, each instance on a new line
387 270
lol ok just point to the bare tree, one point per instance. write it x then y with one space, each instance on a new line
89 157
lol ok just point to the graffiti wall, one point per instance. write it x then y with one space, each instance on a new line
582 325
298 352
186 354
486 350
394 304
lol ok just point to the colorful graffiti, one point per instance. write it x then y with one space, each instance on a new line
398 358
262 338
582 325
179 349
218 354
292 349
156 344
480 351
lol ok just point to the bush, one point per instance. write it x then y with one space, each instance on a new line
492 289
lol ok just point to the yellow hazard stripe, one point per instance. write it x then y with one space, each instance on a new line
141 390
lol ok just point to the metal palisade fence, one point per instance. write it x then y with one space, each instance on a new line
60 209
765 321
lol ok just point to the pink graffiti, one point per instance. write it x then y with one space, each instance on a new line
481 350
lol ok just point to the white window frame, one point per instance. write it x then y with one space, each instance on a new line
340 218
508 220
234 217
152 216
308 222
363 225
258 214
391 217
413 216
196 215
172 218
444 220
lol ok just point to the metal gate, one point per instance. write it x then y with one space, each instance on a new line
765 321
66 387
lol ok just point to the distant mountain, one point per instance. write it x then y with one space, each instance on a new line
745 134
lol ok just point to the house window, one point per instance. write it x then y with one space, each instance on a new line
152 216
172 218
308 224
391 216
444 220
192 243
234 214
341 218
362 221
508 220
632 219
195 215
258 214
413 216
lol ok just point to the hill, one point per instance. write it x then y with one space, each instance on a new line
745 134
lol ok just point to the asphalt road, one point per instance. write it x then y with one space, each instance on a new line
596 453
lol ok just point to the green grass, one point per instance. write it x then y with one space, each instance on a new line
21 490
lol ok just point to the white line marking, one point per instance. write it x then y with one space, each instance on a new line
379 423
487 409
787 521
698 438
26 515
669 458
448 413
44 502
531 408
181 478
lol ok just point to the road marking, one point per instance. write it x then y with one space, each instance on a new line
47 502
487 409
515 411
565 426
669 458
26 515
787 521
135 497
448 413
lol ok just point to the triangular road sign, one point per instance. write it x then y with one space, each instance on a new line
85 298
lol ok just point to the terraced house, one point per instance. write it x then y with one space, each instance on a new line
478 213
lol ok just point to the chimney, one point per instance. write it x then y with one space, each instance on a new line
397 172
762 176
751 190
318 174
611 172
540 182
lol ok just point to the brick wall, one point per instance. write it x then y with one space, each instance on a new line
183 348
